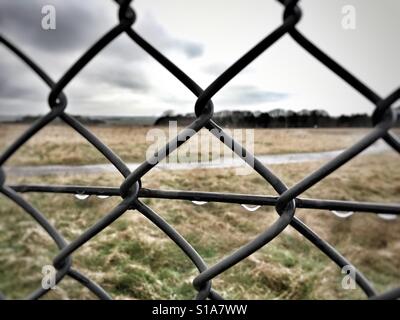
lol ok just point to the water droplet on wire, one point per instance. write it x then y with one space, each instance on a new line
102 196
199 203
81 196
387 216
343 214
250 208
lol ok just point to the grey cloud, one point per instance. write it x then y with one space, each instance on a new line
233 96
122 64
10 88
80 23
215 68
250 95
76 23
130 76
174 100
158 36
191 49
127 80
17 81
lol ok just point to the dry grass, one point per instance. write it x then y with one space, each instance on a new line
133 259
59 144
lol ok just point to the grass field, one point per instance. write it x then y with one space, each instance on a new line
58 144
133 259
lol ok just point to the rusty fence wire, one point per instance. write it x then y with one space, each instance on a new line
131 190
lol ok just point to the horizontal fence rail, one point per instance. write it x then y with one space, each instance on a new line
131 190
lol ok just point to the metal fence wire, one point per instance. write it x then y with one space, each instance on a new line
131 190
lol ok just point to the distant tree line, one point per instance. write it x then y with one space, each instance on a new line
277 118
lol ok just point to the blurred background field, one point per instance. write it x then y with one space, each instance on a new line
59 144
132 259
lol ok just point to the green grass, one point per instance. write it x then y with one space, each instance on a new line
132 259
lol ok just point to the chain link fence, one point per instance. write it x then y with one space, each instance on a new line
131 191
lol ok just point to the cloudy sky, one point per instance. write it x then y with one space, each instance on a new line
203 38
